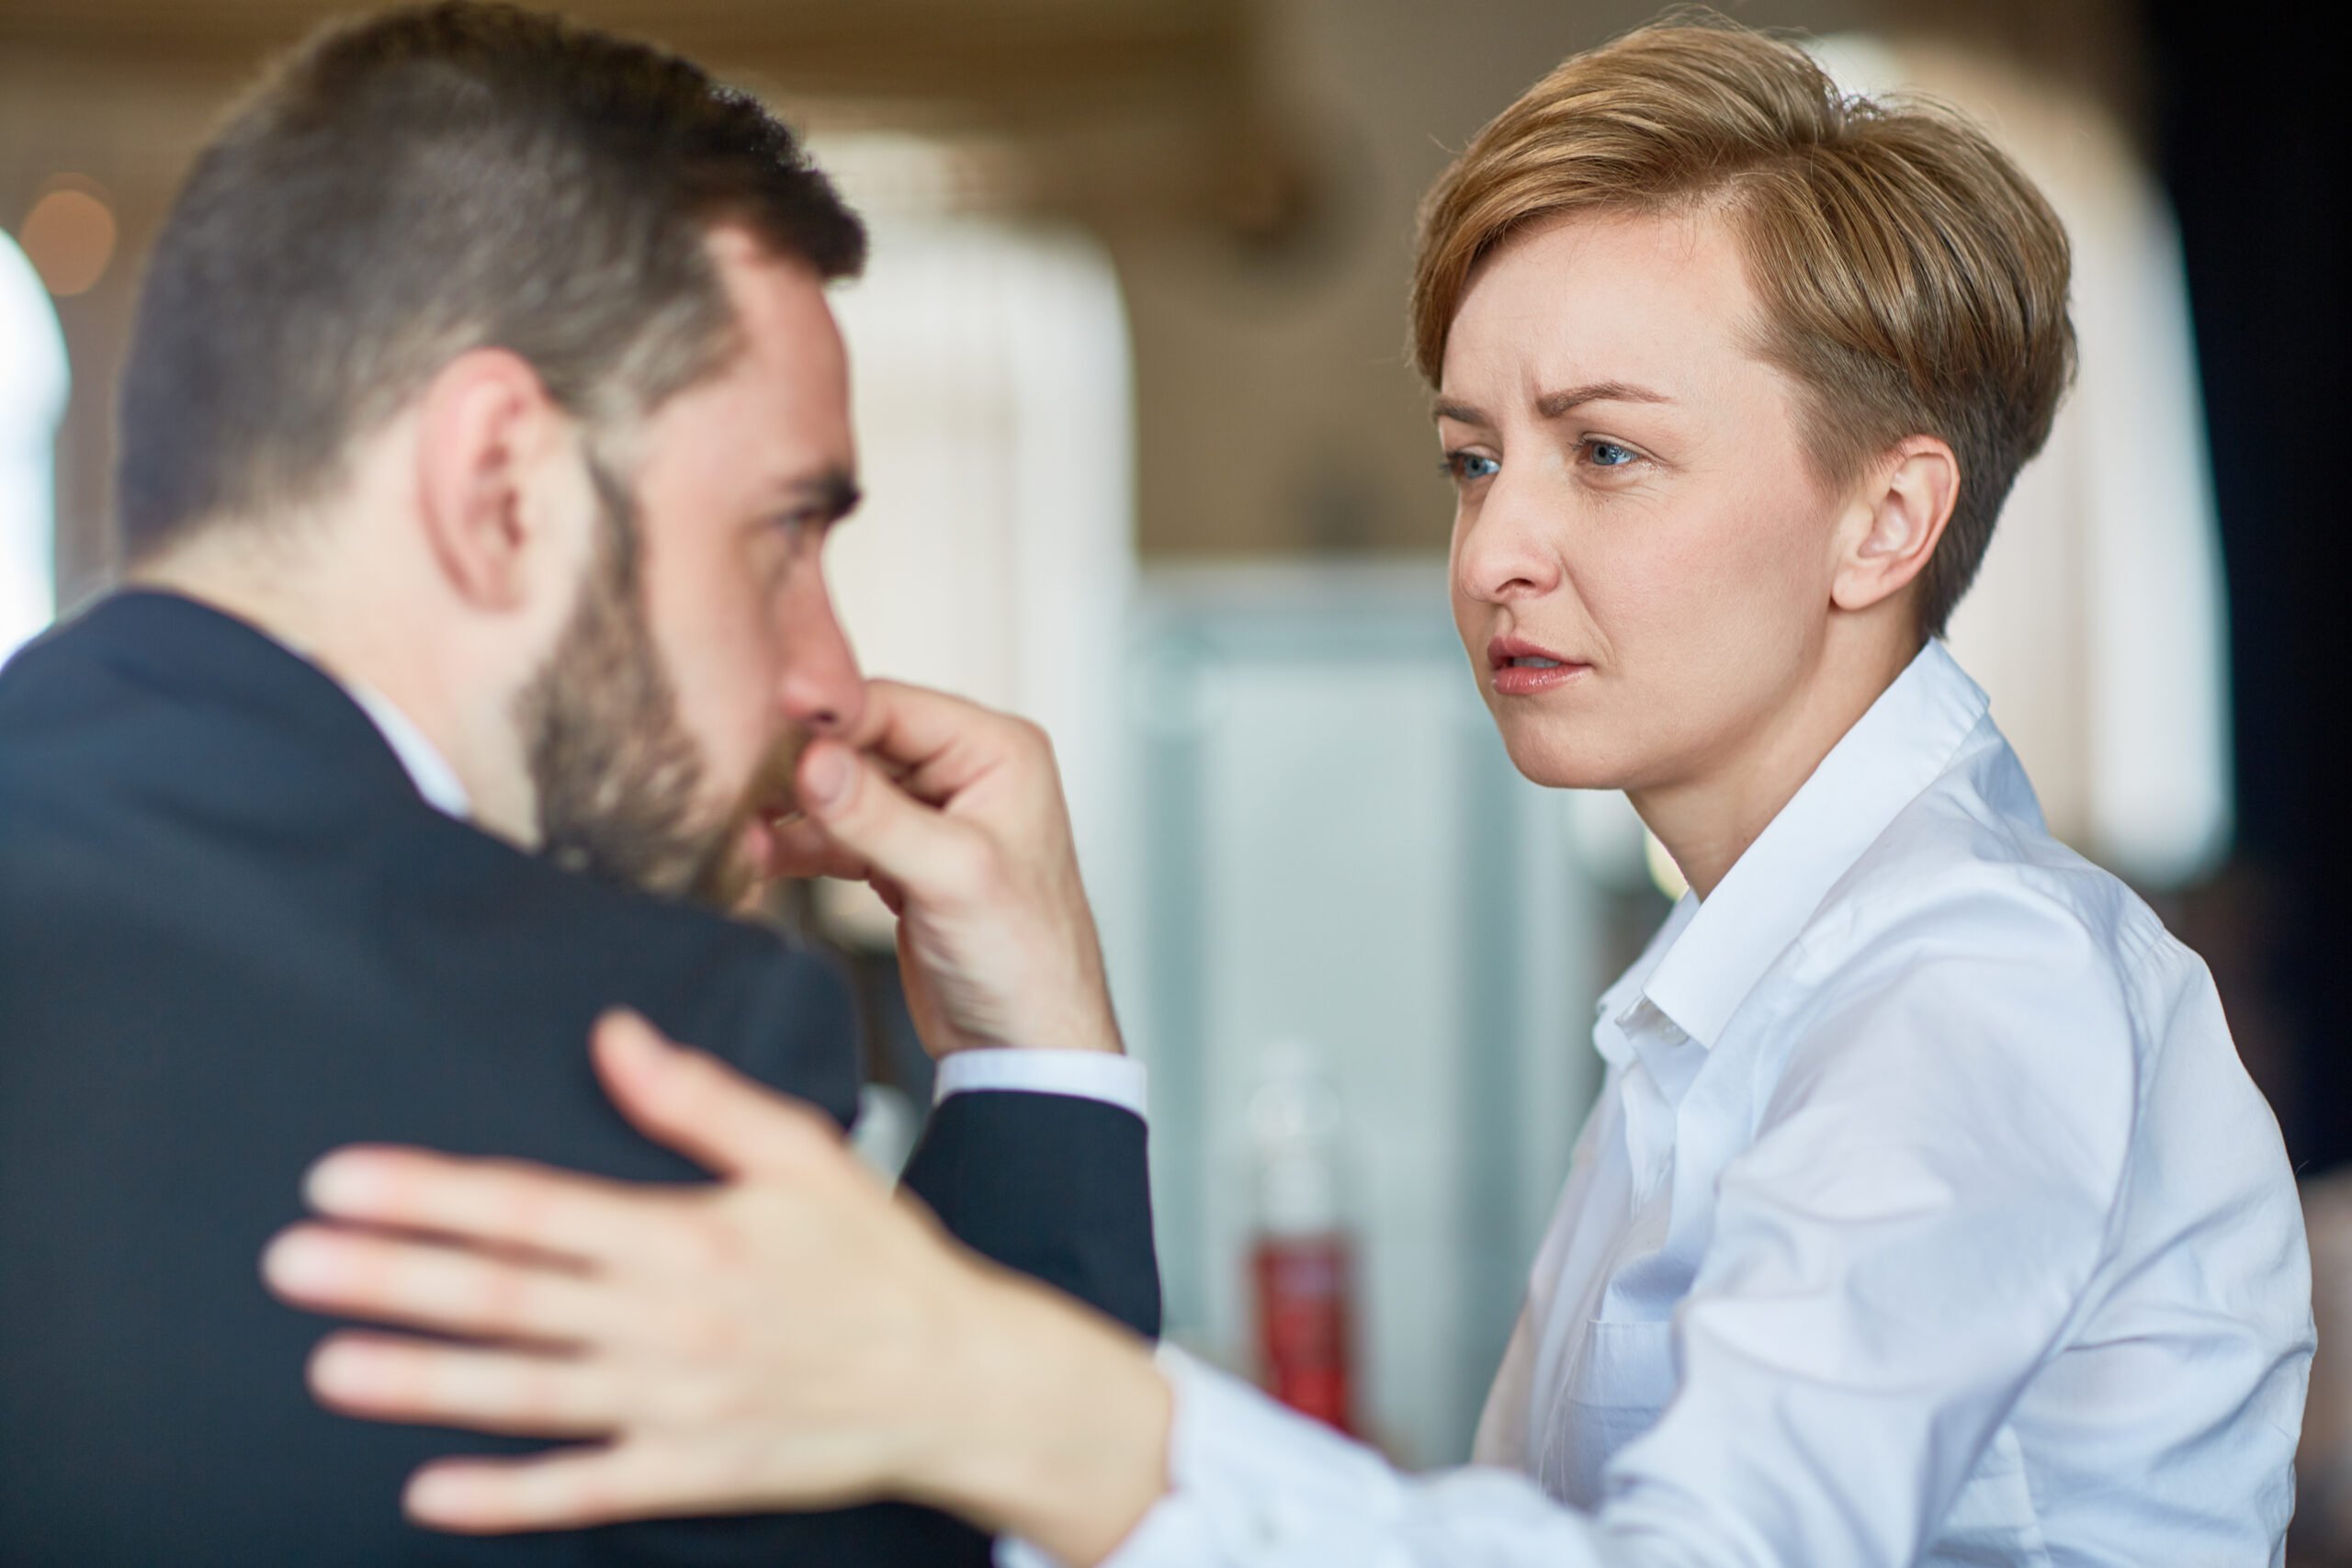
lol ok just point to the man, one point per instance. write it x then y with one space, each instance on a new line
480 437
1926 1215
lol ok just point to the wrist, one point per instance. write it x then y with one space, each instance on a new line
1082 1020
1057 1423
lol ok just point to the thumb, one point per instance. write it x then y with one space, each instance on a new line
698 1105
858 807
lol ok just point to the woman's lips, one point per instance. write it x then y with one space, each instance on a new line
1522 669
1526 680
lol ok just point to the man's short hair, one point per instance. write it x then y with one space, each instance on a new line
417 184
1913 281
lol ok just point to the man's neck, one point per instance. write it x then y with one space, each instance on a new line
307 605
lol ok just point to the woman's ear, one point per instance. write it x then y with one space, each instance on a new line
1902 517
483 425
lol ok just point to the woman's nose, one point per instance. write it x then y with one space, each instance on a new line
1509 549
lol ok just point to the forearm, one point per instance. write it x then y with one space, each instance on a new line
1052 1424
1250 1483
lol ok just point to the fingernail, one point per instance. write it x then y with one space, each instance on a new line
342 1370
826 775
630 1036
341 1183
297 1265
437 1494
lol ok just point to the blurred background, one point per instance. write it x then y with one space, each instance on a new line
1146 462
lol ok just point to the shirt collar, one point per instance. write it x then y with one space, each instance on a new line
435 779
1617 1030
1723 946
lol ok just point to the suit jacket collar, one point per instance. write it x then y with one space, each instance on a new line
190 652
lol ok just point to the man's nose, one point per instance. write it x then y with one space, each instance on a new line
820 689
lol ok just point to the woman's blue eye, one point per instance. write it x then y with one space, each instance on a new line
1470 466
1608 455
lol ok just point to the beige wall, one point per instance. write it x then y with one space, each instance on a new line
1264 276
1278 414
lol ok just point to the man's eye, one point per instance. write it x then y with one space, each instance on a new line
1608 455
1464 467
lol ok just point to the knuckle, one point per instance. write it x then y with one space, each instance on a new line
693 1403
516 1196
710 1243
704 1332
501 1298
1031 737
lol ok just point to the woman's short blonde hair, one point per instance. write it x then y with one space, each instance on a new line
1913 281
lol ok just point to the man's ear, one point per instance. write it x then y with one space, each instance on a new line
484 426
1905 511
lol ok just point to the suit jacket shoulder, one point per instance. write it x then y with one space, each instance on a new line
232 936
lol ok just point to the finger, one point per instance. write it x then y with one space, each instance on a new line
572 1489
935 743
424 1285
517 1391
704 1110
504 1202
569 1489
804 848
929 854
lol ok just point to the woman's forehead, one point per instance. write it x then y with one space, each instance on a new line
1653 302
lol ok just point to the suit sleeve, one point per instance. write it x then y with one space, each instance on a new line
789 1020
1054 1185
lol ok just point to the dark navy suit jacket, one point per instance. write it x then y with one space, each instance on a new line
232 936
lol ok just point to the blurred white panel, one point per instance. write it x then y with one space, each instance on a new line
33 380
1339 853
1335 923
994 555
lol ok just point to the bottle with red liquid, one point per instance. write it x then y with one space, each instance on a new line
1302 1255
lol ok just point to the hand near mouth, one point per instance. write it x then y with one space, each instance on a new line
954 814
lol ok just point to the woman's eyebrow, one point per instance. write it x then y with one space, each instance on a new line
1552 405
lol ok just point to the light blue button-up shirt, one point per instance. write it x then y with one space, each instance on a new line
1926 1215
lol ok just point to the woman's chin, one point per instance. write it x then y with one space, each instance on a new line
1564 762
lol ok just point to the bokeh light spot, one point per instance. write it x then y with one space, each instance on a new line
69 236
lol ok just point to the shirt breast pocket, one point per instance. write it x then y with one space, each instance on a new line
1624 1378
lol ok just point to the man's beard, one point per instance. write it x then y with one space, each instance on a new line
619 779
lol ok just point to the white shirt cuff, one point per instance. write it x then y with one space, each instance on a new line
1084 1074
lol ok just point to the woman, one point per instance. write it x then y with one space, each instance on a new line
1926 1213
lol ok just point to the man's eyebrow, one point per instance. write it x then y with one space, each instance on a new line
1552 405
833 494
